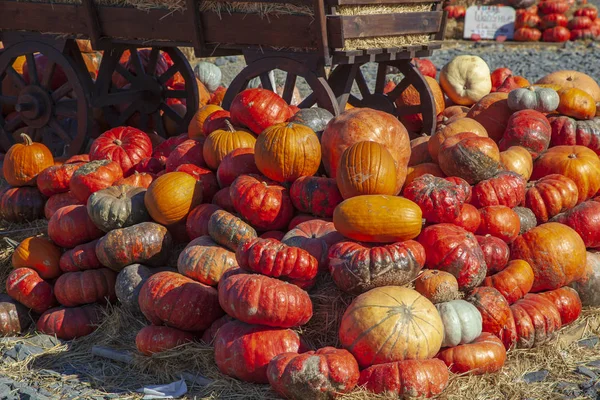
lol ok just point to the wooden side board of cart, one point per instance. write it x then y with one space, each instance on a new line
305 45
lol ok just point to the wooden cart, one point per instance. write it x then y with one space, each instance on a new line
299 45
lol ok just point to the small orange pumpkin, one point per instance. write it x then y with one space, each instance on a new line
438 286
518 159
171 197
39 254
223 141
197 122
576 103
24 161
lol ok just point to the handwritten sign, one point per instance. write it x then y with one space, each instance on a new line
489 22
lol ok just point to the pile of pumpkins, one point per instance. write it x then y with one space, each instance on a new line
490 218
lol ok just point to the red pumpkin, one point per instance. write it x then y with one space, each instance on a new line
188 152
529 129
499 221
513 82
259 109
580 22
357 268
171 299
223 200
19 204
94 176
527 35
439 199
80 258
236 163
588 11
208 179
258 299
71 226
496 314
326 372
455 12
567 303
163 150
197 221
495 253
272 258
156 339
150 165
498 77
585 220
468 218
425 66
56 179
553 20
215 121
485 355
244 351
300 218
551 195
86 287
537 321
209 335
315 195
505 189
557 34
143 180
453 249
314 236
513 282
277 235
584 34
570 132
263 203
527 21
553 7
125 145
26 286
58 201
68 323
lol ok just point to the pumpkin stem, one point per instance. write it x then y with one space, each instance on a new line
572 155
229 127
117 142
123 191
26 139
12 243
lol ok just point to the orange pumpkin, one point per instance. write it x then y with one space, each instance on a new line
493 113
555 252
412 97
24 161
222 142
421 169
518 159
366 168
197 122
391 323
513 282
438 286
203 94
576 103
171 197
419 150
39 254
444 132
573 79
578 163
287 151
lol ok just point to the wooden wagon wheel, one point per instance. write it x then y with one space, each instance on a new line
344 76
320 95
52 105
135 86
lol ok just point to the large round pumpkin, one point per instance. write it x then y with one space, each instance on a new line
545 248
287 151
378 218
412 97
24 161
573 79
171 197
493 113
391 323
223 141
258 109
466 79
125 145
362 124
527 128
71 226
578 163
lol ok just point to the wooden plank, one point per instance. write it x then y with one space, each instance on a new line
298 2
42 17
363 26
321 21
367 2
95 31
198 39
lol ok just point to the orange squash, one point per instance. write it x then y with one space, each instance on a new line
287 151
391 323
366 168
197 122
171 197
24 161
518 159
223 141
378 218
445 131
39 254
412 97
576 103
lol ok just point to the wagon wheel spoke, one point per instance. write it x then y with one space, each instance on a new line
32 68
48 72
16 77
363 88
159 125
380 80
400 88
265 80
125 115
151 69
135 58
66 108
38 134
8 99
168 74
169 112
62 91
308 101
11 125
288 87
408 110
175 94
59 130
118 97
124 72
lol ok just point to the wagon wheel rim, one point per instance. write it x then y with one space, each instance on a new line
147 95
40 110
321 94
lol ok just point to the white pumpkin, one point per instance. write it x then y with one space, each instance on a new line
466 79
209 74
462 322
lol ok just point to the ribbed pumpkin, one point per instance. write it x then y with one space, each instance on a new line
195 128
80 258
517 159
258 109
205 261
513 282
499 221
186 152
496 314
485 355
568 131
551 195
56 179
86 287
171 197
71 226
366 168
196 224
137 179
24 161
117 207
39 254
228 230
378 218
544 248
584 219
529 129
26 286
14 316
462 322
155 339
125 145
94 176
438 286
495 253
18 204
315 237
287 151
537 320
236 163
68 323
391 323
315 195
567 303
222 142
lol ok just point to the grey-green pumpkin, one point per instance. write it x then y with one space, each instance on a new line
117 207
209 74
540 99
462 322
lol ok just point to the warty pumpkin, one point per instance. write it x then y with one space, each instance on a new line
222 142
529 129
93 176
24 161
585 220
496 314
437 286
439 199
228 230
39 254
527 217
315 195
378 218
485 355
56 179
495 253
418 170
171 197
205 261
568 131
450 129
504 189
86 287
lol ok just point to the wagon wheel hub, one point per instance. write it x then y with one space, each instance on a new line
152 94
378 101
35 105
